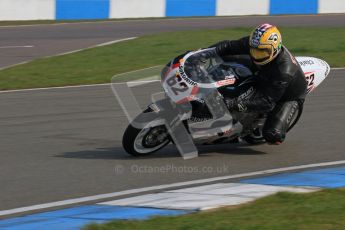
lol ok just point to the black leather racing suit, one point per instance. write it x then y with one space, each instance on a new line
281 88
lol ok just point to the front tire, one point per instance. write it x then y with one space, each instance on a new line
143 142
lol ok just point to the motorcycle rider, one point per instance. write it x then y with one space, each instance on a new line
282 86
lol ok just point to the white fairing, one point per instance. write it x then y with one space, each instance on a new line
315 70
178 88
181 88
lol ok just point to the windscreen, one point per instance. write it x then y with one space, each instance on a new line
206 67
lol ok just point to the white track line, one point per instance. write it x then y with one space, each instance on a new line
91 85
13 65
90 47
130 84
68 52
11 47
165 186
113 42
48 88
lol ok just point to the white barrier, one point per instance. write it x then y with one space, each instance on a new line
242 7
331 6
27 9
46 9
137 8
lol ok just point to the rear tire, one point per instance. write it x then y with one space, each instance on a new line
254 139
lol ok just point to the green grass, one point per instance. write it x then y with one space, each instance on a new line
98 65
317 211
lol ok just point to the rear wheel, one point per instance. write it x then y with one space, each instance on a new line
256 137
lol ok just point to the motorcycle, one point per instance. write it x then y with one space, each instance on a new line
193 83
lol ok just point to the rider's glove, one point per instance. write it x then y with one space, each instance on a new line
235 105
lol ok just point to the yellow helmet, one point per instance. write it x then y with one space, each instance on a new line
265 44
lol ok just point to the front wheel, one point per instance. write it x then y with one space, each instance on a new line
142 142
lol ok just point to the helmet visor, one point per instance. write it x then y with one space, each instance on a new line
260 55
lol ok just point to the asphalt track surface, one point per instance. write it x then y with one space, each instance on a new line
58 144
50 40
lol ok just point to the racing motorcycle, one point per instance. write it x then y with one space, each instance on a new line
195 80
